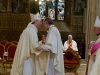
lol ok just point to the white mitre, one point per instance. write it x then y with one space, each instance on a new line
35 17
97 22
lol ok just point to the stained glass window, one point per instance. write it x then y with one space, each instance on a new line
42 8
60 7
52 8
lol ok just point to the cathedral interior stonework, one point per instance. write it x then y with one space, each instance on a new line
75 17
14 17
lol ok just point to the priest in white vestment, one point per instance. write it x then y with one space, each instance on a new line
93 67
26 60
90 61
53 45
70 43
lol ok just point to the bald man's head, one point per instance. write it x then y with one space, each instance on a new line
70 38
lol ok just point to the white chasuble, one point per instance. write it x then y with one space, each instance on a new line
96 66
26 54
53 45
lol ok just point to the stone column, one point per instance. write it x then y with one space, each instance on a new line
93 10
9 9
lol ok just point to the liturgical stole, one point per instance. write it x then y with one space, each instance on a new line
95 47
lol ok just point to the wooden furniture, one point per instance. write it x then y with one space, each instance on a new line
7 45
72 61
11 53
14 42
3 42
2 50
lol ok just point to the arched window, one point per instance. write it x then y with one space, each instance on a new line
52 8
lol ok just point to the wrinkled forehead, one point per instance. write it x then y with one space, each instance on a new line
70 36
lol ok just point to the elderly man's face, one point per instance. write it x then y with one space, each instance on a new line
39 23
96 30
69 38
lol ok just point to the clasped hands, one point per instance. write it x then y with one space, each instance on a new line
39 48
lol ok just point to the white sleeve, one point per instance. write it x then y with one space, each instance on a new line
46 47
97 53
65 46
75 46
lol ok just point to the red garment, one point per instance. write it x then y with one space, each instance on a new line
69 44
